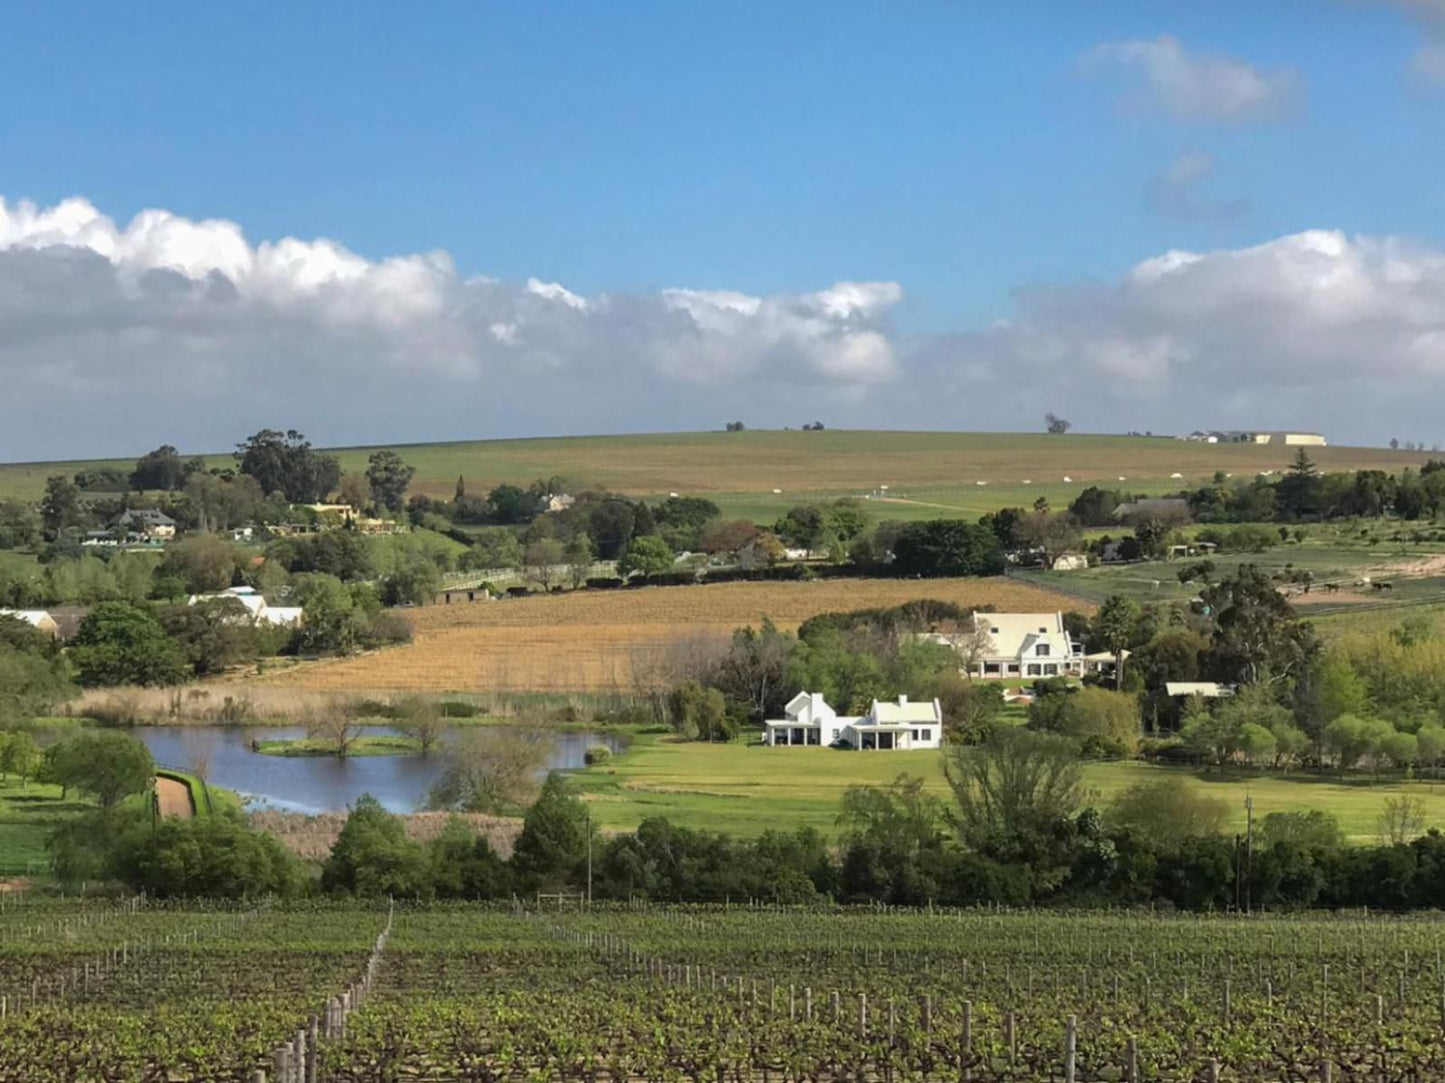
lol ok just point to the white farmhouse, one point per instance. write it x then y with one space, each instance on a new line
255 604
810 721
39 619
1016 645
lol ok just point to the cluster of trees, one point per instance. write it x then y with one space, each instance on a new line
1015 827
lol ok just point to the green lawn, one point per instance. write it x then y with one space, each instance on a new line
27 816
746 789
388 745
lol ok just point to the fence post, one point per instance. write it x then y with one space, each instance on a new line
1071 1029
1131 1064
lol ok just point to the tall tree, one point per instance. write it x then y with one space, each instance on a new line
286 463
159 469
1257 636
1114 629
389 476
60 508
125 644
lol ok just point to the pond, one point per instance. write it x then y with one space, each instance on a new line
313 784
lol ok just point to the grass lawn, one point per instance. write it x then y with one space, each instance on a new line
27 816
746 789
362 746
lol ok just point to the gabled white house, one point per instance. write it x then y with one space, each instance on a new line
1016 645
39 619
255 604
810 721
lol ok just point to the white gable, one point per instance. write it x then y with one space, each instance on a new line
1019 635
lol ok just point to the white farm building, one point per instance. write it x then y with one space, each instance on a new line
810 721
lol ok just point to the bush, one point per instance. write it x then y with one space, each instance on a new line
596 754
518 592
603 583
458 708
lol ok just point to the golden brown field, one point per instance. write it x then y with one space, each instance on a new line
608 641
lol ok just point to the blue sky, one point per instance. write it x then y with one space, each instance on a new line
972 154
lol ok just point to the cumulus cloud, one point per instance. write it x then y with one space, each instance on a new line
1308 329
187 327
1174 192
1196 86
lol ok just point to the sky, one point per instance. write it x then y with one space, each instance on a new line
383 223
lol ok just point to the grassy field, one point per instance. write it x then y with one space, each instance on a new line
926 468
27 816
387 745
607 641
746 789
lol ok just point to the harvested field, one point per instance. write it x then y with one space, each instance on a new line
618 641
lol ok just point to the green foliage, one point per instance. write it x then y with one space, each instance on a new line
388 477
373 856
1103 723
699 713
494 547
1162 814
946 547
105 764
214 634
463 865
119 643
216 857
417 581
286 463
648 555
553 844
205 563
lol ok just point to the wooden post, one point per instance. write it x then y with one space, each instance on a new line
862 1015
808 1003
1131 1062
1226 1002
967 1036
312 1034
256 1076
927 1013
1213 1070
1010 1037
1071 1035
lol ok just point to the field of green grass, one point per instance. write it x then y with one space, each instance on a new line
746 789
924 467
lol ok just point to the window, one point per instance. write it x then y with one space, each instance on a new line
1034 670
916 737
1042 650
993 631
1013 667
923 735
990 669
1051 671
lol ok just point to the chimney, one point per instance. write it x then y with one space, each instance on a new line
903 701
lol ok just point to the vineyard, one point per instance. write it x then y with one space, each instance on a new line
606 641
712 995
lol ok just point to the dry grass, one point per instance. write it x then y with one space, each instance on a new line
311 837
608 641
217 703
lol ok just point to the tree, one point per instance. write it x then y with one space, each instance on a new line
286 463
510 504
648 555
494 547
60 508
1114 629
20 756
1015 784
1055 425
214 857
1050 533
579 557
159 469
947 547
106 764
699 713
354 491
118 643
1104 723
544 561
553 844
754 669
372 856
1163 813
205 563
464 865
1401 820
420 719
389 477
214 634
1350 738
971 708
416 582
491 770
1298 491
1257 637
331 619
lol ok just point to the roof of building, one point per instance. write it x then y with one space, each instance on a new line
1152 505
36 618
149 516
1014 633
1207 689
902 713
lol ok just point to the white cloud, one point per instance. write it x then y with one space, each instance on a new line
1429 61
1174 192
211 324
1197 86
1315 328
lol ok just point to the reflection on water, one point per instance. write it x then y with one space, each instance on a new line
314 784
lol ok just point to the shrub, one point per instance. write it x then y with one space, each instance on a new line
596 754
458 708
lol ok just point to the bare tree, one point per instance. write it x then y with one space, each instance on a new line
1402 819
420 719
544 562
1015 784
199 746
972 643
492 769
1056 425
333 723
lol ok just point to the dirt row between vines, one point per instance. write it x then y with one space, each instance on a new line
612 641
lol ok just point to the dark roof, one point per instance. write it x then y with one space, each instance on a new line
1153 505
149 516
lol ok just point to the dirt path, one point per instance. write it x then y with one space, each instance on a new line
175 798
